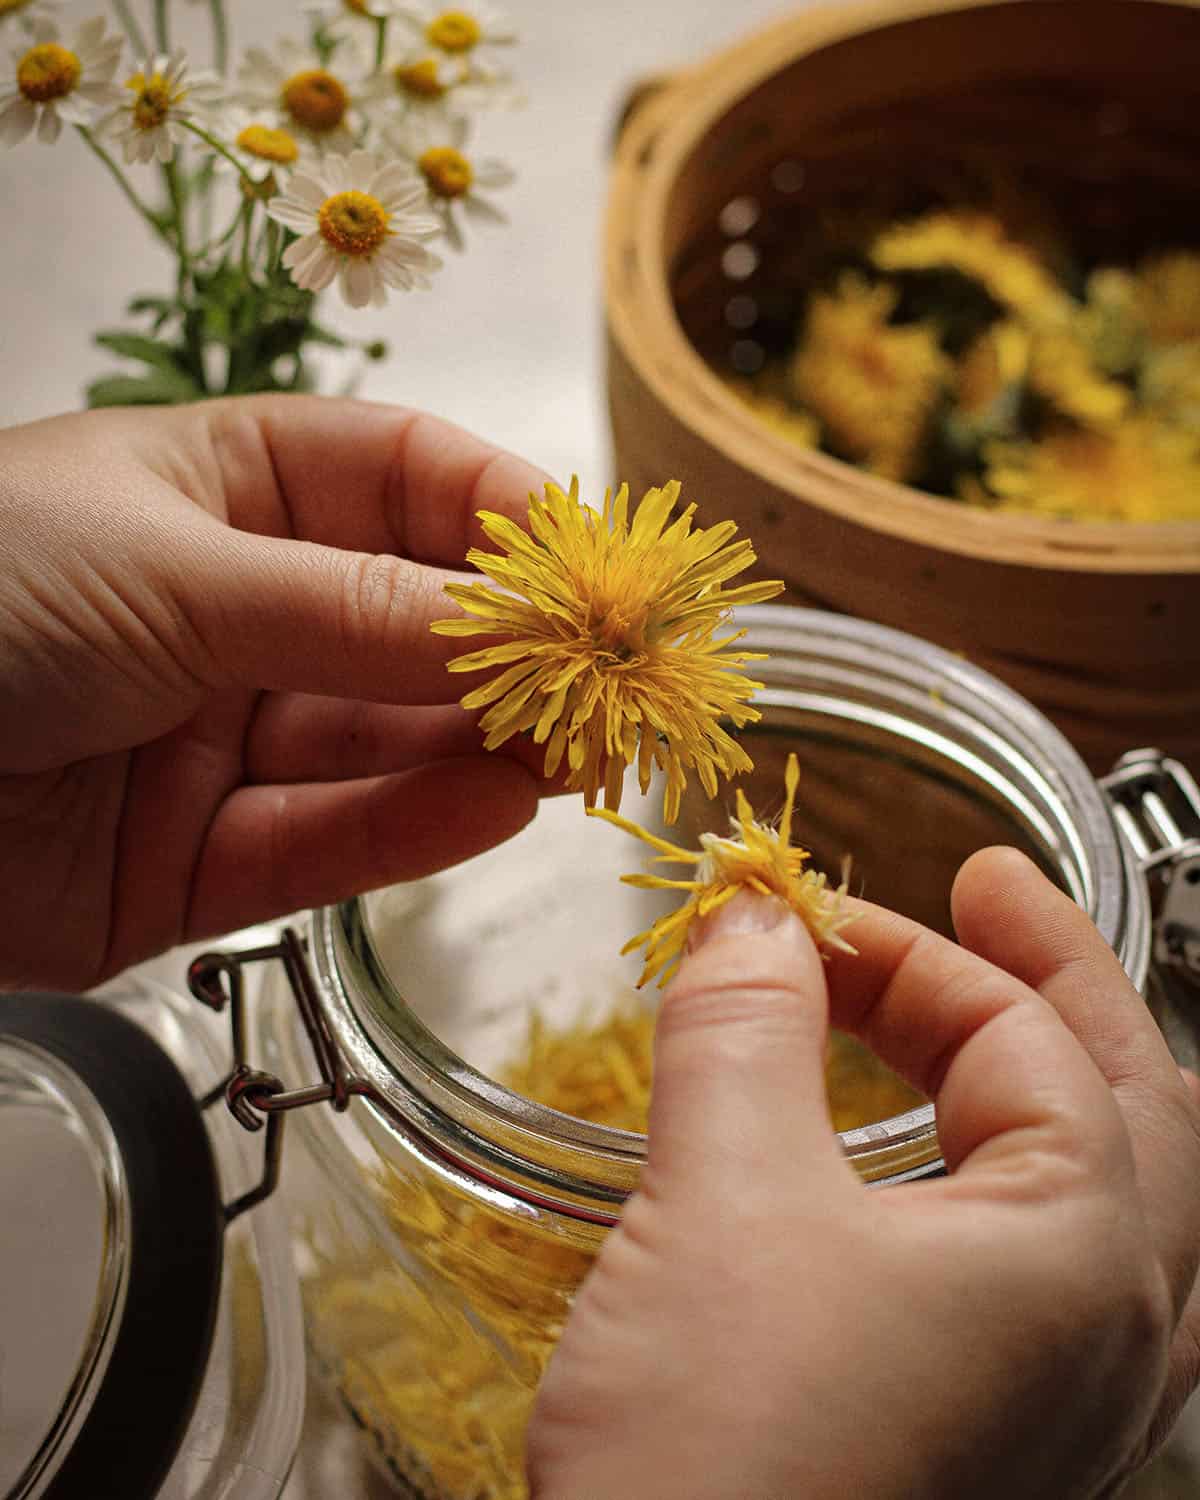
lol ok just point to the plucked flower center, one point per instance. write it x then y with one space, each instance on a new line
269 145
618 629
47 71
419 79
359 7
453 31
315 100
152 100
447 171
353 223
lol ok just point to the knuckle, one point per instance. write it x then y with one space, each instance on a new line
378 600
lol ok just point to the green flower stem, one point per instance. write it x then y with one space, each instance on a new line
178 197
131 28
220 36
247 231
381 26
274 246
223 238
211 141
124 184
161 35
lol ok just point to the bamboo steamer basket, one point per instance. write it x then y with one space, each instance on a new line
1095 102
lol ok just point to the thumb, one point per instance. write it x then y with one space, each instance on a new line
292 615
739 1072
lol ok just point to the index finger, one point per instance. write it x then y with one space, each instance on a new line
357 475
1008 1078
1007 911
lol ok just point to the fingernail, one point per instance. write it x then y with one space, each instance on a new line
748 912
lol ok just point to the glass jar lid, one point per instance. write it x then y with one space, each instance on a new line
111 1255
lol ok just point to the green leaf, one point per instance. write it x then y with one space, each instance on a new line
315 334
162 388
151 304
136 346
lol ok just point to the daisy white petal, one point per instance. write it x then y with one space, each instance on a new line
291 215
18 11
393 179
482 211
17 120
357 282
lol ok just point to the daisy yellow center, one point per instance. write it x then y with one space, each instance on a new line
453 31
359 7
269 145
316 100
353 223
47 72
10 7
419 79
152 100
447 171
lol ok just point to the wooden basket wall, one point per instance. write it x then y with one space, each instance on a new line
887 109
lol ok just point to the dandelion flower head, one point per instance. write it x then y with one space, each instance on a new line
872 384
1135 470
978 246
611 655
754 857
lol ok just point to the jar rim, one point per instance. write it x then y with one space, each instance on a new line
941 707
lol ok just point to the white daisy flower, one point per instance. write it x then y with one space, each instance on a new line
361 219
452 176
465 34
417 83
158 99
307 99
52 84
265 150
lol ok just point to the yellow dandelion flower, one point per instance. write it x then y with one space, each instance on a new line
1138 470
997 360
611 656
756 857
873 387
1168 296
781 416
977 245
1062 373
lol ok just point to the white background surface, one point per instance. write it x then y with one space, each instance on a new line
508 342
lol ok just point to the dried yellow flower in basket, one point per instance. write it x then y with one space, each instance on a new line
611 655
758 858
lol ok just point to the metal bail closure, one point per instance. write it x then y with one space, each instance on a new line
1156 802
256 1098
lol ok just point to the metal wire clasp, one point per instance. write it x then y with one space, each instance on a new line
256 1098
1156 801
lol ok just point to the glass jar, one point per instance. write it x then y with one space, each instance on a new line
153 1343
443 1220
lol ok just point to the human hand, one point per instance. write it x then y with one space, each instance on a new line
210 617
762 1327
